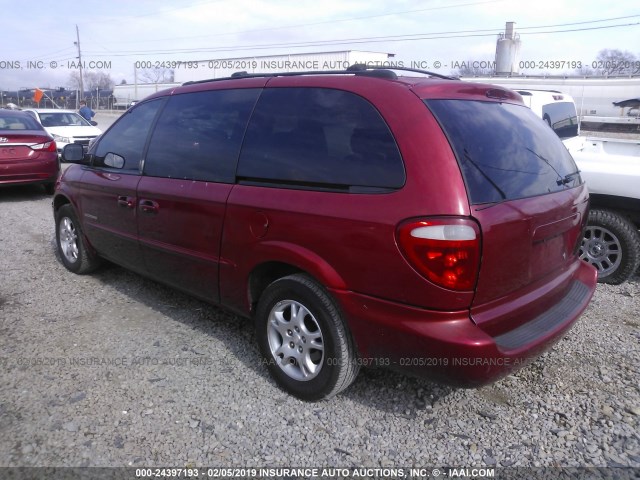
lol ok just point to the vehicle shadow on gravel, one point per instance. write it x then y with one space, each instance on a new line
393 392
378 388
22 193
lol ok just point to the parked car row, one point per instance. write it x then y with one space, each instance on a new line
65 126
359 217
31 142
28 153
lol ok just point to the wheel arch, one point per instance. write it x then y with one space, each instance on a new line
264 275
628 207
61 200
286 259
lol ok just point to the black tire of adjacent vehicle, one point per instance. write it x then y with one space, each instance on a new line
339 367
49 188
86 261
629 238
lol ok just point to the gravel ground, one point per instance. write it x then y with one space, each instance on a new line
115 370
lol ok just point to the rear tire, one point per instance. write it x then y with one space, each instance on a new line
611 243
304 339
71 243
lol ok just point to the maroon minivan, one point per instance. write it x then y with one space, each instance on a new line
361 217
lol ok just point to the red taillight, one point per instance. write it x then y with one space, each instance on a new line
46 147
446 251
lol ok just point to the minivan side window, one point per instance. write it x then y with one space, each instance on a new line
128 136
198 135
319 138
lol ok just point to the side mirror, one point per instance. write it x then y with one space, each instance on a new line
73 153
93 122
114 161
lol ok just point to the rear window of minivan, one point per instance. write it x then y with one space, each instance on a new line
504 151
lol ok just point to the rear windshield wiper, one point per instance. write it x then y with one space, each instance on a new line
486 177
567 178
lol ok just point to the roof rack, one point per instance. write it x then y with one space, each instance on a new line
359 67
355 69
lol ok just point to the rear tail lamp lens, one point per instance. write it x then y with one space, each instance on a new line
46 147
445 251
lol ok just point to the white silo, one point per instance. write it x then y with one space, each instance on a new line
508 51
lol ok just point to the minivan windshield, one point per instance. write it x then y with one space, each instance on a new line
504 151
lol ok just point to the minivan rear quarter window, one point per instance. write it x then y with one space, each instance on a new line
319 137
526 159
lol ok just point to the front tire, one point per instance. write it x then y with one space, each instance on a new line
71 244
304 339
611 243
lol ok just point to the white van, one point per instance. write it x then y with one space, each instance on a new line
556 108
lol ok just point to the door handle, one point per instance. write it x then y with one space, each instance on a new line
149 206
125 201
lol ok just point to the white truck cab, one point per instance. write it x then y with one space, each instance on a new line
611 169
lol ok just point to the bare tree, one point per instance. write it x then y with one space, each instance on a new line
99 80
585 71
74 80
157 75
615 62
92 80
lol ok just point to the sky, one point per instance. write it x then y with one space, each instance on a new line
38 48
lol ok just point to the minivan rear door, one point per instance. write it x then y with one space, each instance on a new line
527 195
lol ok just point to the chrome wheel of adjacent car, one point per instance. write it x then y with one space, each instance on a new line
611 243
304 339
601 248
295 340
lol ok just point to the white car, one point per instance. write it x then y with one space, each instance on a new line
611 169
65 126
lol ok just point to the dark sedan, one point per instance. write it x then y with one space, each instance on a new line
27 152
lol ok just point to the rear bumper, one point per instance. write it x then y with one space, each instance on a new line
448 346
24 172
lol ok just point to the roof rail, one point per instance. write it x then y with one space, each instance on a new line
355 69
359 67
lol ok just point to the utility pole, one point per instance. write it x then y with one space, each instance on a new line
79 66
